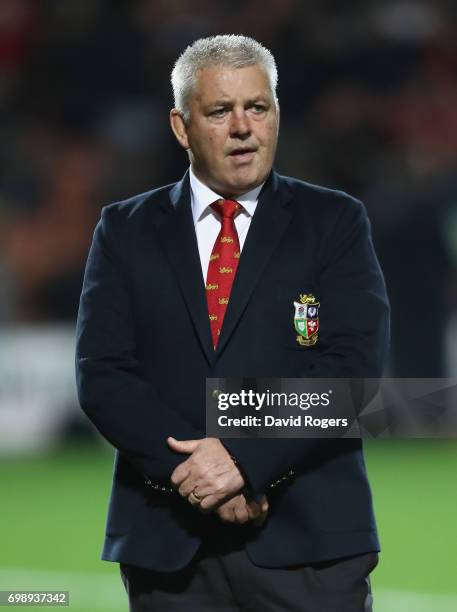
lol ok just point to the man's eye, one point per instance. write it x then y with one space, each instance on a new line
219 112
259 108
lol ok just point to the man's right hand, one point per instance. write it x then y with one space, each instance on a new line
239 510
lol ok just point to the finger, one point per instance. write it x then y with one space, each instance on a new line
182 446
204 510
193 501
226 514
241 512
180 474
186 488
195 479
206 488
211 502
253 510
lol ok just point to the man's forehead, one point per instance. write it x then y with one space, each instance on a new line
225 82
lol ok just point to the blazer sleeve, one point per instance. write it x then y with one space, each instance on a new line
353 336
123 406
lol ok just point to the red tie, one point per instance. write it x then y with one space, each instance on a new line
222 265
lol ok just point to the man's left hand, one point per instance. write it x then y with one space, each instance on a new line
209 473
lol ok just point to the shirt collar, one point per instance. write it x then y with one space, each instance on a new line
203 197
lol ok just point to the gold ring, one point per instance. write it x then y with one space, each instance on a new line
196 495
193 501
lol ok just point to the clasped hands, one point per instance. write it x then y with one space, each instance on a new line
211 481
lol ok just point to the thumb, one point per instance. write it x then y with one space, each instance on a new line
182 446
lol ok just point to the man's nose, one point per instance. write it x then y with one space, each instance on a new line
239 126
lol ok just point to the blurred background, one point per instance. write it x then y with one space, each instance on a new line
368 95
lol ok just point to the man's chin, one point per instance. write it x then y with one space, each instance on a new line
244 181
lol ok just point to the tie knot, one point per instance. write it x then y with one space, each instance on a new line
226 209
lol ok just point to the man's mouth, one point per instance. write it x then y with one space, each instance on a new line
243 153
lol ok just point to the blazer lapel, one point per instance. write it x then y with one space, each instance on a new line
267 227
177 235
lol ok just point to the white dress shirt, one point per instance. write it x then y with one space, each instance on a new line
207 223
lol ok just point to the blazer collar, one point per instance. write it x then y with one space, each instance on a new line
179 241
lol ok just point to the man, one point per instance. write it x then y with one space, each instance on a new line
199 279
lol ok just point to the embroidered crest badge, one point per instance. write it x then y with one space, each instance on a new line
306 320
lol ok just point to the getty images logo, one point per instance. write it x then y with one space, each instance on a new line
257 401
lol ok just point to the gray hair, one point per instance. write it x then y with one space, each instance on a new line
224 50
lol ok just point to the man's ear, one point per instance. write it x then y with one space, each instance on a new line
179 128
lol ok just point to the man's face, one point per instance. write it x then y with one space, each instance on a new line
232 129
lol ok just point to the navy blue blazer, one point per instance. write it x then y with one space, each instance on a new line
144 352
